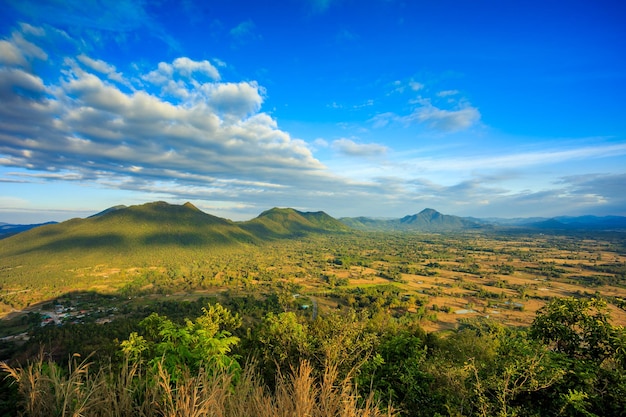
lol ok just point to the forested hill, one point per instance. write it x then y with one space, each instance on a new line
287 222
149 226
129 230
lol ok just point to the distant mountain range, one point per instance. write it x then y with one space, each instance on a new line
7 229
160 223
427 220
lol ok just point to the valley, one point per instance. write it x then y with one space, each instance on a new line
441 278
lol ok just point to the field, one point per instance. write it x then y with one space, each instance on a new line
441 278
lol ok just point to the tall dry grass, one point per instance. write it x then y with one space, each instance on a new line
46 390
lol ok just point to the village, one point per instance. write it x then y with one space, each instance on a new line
72 310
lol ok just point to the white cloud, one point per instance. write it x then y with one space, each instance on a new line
320 143
27 48
444 120
32 30
526 159
210 140
187 67
184 69
415 86
383 119
103 68
234 99
10 54
351 148
15 83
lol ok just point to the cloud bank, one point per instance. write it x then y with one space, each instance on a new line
177 123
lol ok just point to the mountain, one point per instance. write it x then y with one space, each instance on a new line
7 229
287 222
431 220
130 231
427 220
367 223
143 229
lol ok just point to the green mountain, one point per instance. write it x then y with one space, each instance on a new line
368 223
149 246
287 222
428 220
132 231
129 231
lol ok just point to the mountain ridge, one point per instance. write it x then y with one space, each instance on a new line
427 220
279 223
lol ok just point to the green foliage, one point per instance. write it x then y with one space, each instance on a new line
282 340
202 343
591 351
579 328
396 372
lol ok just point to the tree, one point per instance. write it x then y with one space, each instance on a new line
200 343
282 342
592 352
578 328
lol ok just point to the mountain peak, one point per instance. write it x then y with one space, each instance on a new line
191 206
429 213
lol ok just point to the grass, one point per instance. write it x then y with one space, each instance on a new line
45 389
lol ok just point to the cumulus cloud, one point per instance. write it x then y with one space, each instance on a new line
182 68
10 54
210 140
103 68
187 68
351 148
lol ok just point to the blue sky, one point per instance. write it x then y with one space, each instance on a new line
377 108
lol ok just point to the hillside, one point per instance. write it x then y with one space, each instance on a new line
287 222
159 224
132 231
144 246
129 230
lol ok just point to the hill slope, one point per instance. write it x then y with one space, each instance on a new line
287 222
146 247
128 230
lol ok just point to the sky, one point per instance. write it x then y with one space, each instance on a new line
376 108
